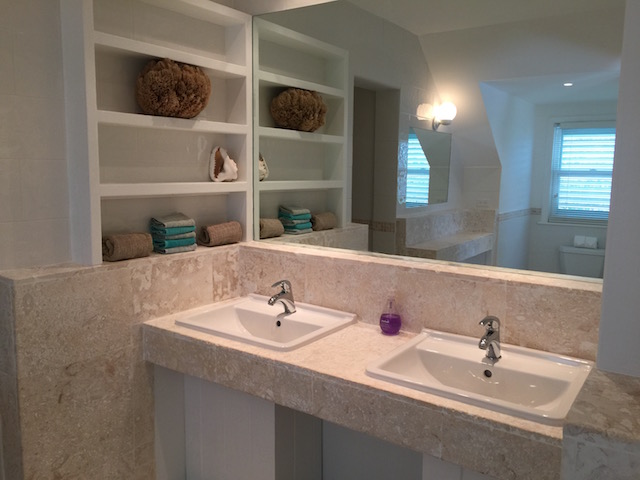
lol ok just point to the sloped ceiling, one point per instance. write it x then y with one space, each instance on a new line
438 22
422 17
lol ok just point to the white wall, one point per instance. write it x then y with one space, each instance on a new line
618 349
34 218
461 60
512 123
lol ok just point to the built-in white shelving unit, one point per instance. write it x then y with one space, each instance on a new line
307 169
126 167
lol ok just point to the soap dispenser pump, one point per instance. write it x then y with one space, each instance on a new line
390 320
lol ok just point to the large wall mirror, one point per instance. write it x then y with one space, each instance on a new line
505 68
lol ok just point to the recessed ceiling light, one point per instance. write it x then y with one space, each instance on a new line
568 84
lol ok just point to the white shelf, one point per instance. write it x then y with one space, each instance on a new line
306 168
279 80
105 45
284 134
203 10
294 185
142 190
135 47
167 123
278 34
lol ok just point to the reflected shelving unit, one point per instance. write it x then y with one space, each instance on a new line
126 167
307 169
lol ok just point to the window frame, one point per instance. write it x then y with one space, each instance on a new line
408 203
554 215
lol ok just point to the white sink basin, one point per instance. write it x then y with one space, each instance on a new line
527 383
250 319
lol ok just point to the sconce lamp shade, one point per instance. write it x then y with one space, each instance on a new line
424 111
444 114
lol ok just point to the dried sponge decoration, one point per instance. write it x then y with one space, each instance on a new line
298 109
172 89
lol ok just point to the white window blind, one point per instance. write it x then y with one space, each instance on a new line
417 193
582 165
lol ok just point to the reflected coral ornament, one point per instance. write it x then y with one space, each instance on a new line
298 109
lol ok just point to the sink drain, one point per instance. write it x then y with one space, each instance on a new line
488 373
278 323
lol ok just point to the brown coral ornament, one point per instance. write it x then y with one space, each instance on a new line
172 89
299 109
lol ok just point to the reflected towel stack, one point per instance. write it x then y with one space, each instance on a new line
173 233
296 220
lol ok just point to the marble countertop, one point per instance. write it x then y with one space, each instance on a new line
607 410
327 379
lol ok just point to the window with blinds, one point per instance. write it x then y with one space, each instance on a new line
417 194
582 165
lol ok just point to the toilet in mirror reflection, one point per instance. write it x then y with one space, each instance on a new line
583 262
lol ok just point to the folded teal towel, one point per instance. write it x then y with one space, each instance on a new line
180 242
298 226
173 220
158 237
297 232
301 216
292 210
186 248
287 221
155 230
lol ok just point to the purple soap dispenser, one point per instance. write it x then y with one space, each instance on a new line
390 320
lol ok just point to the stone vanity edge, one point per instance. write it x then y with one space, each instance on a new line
327 379
607 412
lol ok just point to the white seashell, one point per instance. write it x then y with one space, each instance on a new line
227 171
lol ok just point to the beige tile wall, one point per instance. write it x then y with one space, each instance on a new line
540 311
84 395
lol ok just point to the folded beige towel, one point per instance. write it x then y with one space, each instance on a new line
324 221
270 227
220 234
123 246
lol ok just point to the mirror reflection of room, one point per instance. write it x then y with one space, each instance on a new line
510 81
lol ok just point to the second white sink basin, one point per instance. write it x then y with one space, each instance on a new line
252 320
528 383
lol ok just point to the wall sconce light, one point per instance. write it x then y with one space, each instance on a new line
444 115
424 111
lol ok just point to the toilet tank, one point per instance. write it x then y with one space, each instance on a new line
584 262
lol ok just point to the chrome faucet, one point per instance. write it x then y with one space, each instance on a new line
284 296
490 341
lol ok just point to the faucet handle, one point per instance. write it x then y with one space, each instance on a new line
491 323
285 285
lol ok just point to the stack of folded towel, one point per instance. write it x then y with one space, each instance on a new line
296 220
173 233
